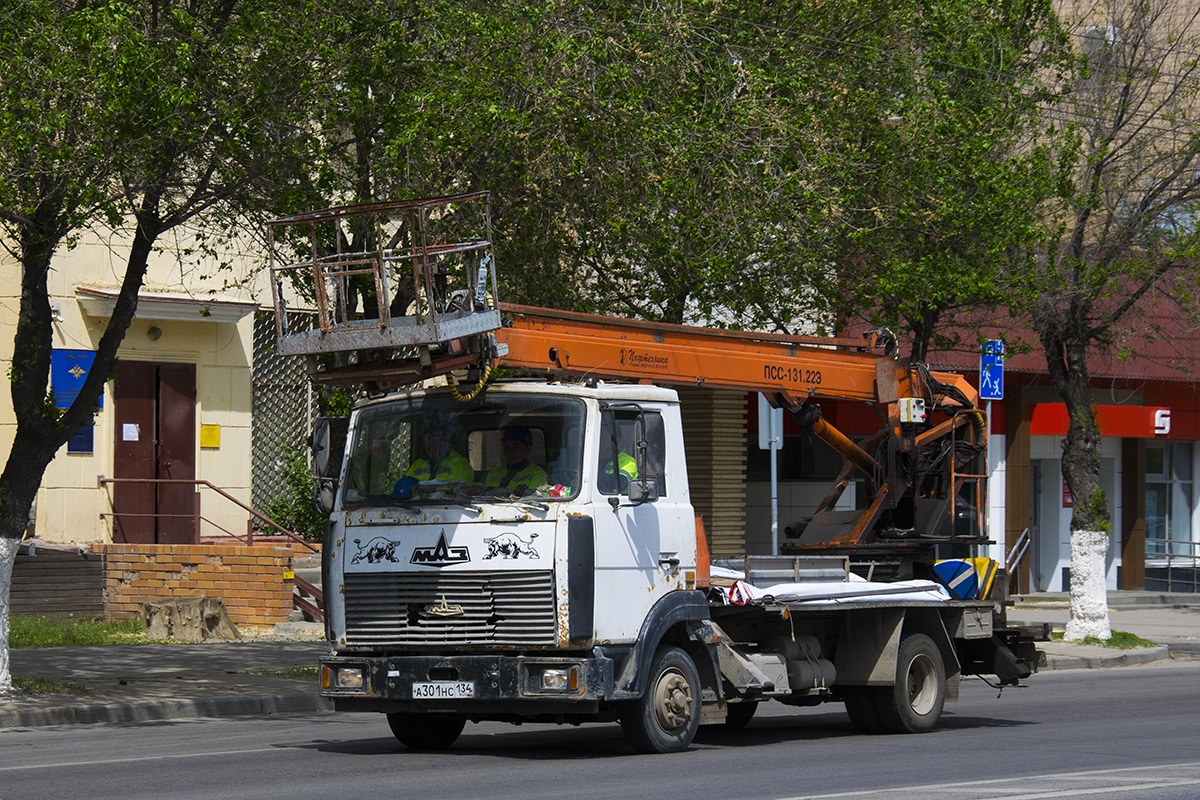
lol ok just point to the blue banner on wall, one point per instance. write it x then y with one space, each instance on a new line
68 369
83 441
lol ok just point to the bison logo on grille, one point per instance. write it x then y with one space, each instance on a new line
509 545
378 549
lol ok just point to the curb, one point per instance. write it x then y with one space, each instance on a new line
1147 655
310 702
230 706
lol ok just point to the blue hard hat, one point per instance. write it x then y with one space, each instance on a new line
517 433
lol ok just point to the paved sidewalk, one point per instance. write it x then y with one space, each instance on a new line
1174 628
132 683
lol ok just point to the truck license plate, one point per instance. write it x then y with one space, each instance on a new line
443 690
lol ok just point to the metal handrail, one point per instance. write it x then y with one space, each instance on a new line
1190 560
249 538
314 609
1020 548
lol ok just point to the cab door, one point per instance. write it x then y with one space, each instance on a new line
637 541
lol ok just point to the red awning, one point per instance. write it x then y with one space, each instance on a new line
1125 422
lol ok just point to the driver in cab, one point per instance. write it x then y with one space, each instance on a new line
519 475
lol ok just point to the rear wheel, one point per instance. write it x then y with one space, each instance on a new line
862 708
914 703
426 731
666 717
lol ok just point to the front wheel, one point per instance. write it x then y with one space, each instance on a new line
426 731
666 717
914 703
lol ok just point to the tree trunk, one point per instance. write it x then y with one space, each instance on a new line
1089 597
8 555
38 436
1090 518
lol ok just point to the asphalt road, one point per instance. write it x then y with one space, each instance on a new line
1116 733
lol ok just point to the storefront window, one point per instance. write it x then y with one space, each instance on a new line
1169 499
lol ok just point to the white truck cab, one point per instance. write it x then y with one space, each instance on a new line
451 559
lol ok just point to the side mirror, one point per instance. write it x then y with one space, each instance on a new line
328 443
323 496
643 490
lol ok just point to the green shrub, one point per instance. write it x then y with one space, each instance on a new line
294 509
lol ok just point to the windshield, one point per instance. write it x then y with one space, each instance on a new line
435 449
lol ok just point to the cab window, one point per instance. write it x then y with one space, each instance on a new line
632 446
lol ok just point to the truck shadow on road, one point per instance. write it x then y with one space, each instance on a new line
555 743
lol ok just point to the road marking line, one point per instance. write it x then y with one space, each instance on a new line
134 760
997 784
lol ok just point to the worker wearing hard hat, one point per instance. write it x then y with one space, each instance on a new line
518 474
442 463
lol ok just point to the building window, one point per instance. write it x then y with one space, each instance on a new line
1169 498
1098 38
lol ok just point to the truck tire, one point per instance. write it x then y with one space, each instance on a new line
426 731
862 707
914 703
665 719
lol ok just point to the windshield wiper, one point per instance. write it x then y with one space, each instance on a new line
525 501
468 505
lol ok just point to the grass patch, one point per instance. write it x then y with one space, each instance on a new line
33 631
1119 640
46 686
298 671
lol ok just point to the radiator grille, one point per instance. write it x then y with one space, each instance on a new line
498 608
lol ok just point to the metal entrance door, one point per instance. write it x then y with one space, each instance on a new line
155 439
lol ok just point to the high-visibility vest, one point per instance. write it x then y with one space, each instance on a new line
628 467
530 476
454 467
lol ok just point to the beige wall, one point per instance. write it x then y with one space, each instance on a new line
70 503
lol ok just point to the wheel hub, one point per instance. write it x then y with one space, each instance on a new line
922 685
673 706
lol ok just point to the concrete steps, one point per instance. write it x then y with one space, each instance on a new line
306 568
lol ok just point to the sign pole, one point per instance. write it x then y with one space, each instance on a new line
770 438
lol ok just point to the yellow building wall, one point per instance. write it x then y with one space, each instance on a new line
71 505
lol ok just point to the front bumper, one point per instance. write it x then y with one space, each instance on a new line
499 684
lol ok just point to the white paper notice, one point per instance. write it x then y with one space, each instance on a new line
129 432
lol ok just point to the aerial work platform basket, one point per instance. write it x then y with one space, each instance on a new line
410 283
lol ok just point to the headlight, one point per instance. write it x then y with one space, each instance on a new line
350 678
335 677
560 679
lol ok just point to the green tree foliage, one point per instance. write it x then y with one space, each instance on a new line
943 178
294 509
142 118
644 159
138 117
1122 235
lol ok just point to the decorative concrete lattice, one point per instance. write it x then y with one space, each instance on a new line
283 410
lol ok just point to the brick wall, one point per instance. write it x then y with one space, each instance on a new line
249 579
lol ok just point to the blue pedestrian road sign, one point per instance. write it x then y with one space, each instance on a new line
991 370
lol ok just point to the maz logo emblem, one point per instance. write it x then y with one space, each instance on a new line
440 554
443 609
